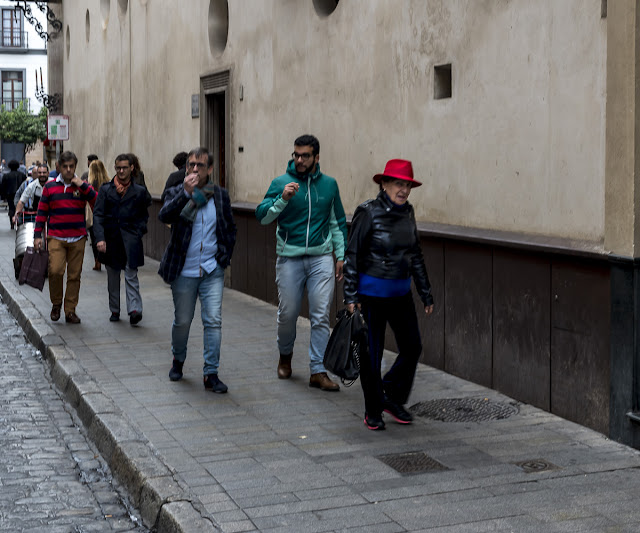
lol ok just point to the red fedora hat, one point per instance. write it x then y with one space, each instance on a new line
400 169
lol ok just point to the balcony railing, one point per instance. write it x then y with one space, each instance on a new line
10 104
15 39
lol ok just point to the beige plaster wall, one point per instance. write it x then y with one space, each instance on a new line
520 146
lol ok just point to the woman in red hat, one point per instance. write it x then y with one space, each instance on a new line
382 256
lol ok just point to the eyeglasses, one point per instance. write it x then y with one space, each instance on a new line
122 169
197 164
304 157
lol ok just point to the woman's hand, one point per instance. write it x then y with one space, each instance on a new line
352 307
428 309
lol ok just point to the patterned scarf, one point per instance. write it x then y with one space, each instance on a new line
121 188
199 198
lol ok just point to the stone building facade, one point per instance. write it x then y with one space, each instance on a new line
520 118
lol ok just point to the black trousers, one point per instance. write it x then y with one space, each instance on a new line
400 314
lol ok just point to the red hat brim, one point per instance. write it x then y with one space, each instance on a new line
414 183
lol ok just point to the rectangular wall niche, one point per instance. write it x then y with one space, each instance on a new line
442 81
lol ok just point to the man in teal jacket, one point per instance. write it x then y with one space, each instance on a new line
311 229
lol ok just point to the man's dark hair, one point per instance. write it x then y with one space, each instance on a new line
13 165
308 140
92 157
42 165
67 156
199 152
180 159
124 157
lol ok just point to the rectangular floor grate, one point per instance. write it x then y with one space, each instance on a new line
412 462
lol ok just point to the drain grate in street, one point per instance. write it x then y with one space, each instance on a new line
464 410
536 465
412 462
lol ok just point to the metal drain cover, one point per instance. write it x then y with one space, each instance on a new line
464 410
412 462
536 465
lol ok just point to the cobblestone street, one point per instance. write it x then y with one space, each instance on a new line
51 478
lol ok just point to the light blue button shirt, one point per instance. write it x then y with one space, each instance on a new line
201 255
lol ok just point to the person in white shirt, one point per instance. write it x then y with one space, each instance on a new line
32 192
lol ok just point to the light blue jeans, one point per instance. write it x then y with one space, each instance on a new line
185 292
317 274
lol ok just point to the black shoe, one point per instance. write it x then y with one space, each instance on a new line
374 422
213 383
135 317
398 412
176 370
114 317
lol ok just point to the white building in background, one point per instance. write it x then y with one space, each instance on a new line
23 56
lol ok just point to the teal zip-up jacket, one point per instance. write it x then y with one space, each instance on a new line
312 222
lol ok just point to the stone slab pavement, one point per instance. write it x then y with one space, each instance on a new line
277 456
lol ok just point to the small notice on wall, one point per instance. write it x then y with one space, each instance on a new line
58 127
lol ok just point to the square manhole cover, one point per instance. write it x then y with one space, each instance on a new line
536 465
412 462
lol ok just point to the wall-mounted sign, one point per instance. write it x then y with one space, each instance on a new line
58 127
195 105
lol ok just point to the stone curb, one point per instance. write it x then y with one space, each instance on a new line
165 505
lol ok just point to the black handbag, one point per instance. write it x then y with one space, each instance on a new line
347 345
34 268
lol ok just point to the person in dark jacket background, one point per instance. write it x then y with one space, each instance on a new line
10 183
176 177
382 256
119 221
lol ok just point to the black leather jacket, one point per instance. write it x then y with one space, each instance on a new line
384 243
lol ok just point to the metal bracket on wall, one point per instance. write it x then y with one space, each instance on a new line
55 24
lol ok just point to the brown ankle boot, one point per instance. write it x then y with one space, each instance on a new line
284 366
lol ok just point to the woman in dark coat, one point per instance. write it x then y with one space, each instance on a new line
11 181
382 256
119 222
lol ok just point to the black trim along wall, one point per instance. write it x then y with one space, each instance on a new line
549 322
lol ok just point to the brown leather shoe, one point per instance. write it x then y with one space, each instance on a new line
55 313
72 318
284 366
322 381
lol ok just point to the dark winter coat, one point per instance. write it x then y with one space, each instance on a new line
175 254
10 183
121 222
384 243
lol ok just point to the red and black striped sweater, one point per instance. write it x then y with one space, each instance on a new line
64 207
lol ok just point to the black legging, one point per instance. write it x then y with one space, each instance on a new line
400 314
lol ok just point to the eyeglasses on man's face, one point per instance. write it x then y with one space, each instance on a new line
304 156
120 168
196 164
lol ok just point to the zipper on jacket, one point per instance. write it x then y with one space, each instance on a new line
309 216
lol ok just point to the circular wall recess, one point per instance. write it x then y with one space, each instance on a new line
324 8
87 25
105 7
67 37
122 7
218 25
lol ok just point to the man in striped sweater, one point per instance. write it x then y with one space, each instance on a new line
62 207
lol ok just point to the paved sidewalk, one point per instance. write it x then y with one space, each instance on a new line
277 456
